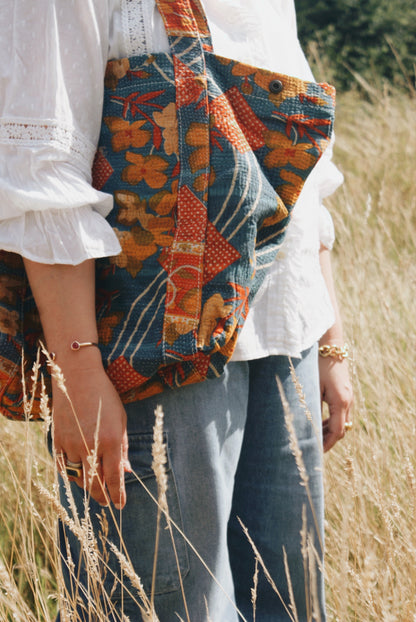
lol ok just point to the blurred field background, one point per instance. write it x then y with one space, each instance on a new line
370 475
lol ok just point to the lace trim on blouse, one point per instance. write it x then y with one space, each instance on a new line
35 132
135 14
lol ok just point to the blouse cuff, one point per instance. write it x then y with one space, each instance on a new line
49 211
62 236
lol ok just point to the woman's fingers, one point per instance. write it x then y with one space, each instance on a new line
94 480
85 473
114 480
102 477
106 479
333 429
90 432
336 391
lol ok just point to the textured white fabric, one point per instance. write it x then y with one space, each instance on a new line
51 77
50 112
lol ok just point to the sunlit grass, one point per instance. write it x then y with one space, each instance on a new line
370 477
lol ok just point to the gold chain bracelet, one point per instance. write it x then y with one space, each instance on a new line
337 352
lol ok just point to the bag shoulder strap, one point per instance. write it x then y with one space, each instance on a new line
185 19
189 37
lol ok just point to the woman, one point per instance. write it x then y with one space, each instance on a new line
50 106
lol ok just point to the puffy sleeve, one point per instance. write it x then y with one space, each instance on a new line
51 86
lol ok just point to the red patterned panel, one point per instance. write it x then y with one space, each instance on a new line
123 376
237 121
219 254
101 170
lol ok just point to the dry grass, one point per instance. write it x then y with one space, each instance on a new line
371 538
370 476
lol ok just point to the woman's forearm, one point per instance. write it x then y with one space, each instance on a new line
92 422
335 334
336 388
65 298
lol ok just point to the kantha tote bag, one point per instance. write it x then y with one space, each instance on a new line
205 158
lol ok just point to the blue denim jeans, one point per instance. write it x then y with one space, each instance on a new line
270 495
206 431
204 426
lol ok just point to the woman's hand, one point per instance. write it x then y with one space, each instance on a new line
336 391
336 387
91 428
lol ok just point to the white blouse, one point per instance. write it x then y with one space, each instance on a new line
51 87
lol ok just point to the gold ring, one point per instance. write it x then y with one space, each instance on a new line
348 426
73 469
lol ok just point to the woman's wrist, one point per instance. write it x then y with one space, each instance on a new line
332 344
74 345
68 356
332 350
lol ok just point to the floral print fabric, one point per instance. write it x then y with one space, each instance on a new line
205 158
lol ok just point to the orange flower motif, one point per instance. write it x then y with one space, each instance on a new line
161 230
127 134
164 202
214 310
290 191
283 152
168 120
204 181
115 70
230 340
9 322
143 240
196 136
200 183
107 325
280 213
148 168
132 207
174 328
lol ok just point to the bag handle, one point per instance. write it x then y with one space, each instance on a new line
189 37
185 18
